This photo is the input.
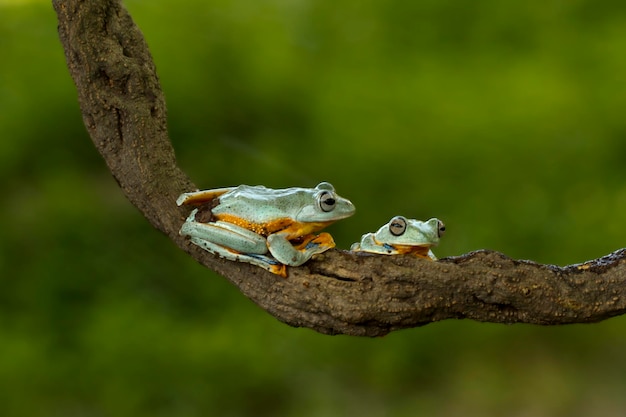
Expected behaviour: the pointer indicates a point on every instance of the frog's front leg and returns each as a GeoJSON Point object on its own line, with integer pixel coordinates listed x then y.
{"type": "Point", "coordinates": [283, 250]}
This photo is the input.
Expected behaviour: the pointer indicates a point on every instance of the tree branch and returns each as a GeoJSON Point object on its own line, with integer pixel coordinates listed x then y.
{"type": "Point", "coordinates": [124, 111]}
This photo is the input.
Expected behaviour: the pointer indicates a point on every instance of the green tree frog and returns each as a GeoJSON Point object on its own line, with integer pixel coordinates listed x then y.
{"type": "Point", "coordinates": [402, 235]}
{"type": "Point", "coordinates": [270, 228]}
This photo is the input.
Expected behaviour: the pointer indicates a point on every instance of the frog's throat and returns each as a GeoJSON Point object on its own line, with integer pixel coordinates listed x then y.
{"type": "Point", "coordinates": [285, 225]}
{"type": "Point", "coordinates": [420, 251]}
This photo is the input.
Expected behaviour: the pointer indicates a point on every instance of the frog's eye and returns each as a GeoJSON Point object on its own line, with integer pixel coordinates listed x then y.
{"type": "Point", "coordinates": [441, 228]}
{"type": "Point", "coordinates": [397, 226]}
{"type": "Point", "coordinates": [326, 201]}
{"type": "Point", "coordinates": [325, 186]}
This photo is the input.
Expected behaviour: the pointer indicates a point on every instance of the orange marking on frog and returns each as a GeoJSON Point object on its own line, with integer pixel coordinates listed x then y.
{"type": "Point", "coordinates": [293, 229]}
{"type": "Point", "coordinates": [323, 239]}
{"type": "Point", "coordinates": [279, 270]}
{"type": "Point", "coordinates": [417, 251]}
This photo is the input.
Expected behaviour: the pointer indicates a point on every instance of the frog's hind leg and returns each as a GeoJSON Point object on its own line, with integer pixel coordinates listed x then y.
{"type": "Point", "coordinates": [225, 235]}
{"type": "Point", "coordinates": [232, 242]}
{"type": "Point", "coordinates": [195, 198]}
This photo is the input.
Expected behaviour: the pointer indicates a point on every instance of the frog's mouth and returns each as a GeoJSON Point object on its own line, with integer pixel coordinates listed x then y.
{"type": "Point", "coordinates": [420, 251]}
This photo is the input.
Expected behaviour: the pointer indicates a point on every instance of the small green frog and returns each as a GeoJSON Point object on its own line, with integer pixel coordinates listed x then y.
{"type": "Point", "coordinates": [402, 235]}
{"type": "Point", "coordinates": [263, 226]}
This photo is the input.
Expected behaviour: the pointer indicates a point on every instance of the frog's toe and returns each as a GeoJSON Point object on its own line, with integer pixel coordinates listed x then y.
{"type": "Point", "coordinates": [278, 269]}
{"type": "Point", "coordinates": [314, 247]}
{"type": "Point", "coordinates": [266, 262]}
{"type": "Point", "coordinates": [319, 244]}
{"type": "Point", "coordinates": [324, 239]}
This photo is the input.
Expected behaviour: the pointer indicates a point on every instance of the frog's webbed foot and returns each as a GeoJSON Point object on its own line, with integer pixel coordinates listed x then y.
{"type": "Point", "coordinates": [318, 243]}
{"type": "Point", "coordinates": [266, 262]}
{"type": "Point", "coordinates": [285, 252]}
{"type": "Point", "coordinates": [355, 247]}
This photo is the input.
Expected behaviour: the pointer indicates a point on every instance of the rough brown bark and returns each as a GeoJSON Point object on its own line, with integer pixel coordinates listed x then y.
{"type": "Point", "coordinates": [339, 292]}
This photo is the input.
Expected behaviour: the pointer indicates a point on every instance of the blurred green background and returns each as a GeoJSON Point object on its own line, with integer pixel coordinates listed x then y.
{"type": "Point", "coordinates": [504, 119]}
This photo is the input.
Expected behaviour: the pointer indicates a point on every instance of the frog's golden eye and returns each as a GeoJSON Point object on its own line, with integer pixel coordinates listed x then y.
{"type": "Point", "coordinates": [397, 226]}
{"type": "Point", "coordinates": [326, 201]}
{"type": "Point", "coordinates": [441, 228]}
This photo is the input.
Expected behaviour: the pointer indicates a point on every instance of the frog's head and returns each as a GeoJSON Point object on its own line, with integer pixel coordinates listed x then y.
{"type": "Point", "coordinates": [410, 232]}
{"type": "Point", "coordinates": [322, 204]}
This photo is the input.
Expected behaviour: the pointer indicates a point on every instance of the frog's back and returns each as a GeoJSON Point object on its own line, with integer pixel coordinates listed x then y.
{"type": "Point", "coordinates": [262, 204]}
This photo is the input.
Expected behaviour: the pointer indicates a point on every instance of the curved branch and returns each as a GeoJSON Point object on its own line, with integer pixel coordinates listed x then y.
{"type": "Point", "coordinates": [338, 292]}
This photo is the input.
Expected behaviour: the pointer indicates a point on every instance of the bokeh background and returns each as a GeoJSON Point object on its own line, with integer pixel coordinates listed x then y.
{"type": "Point", "coordinates": [504, 119]}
